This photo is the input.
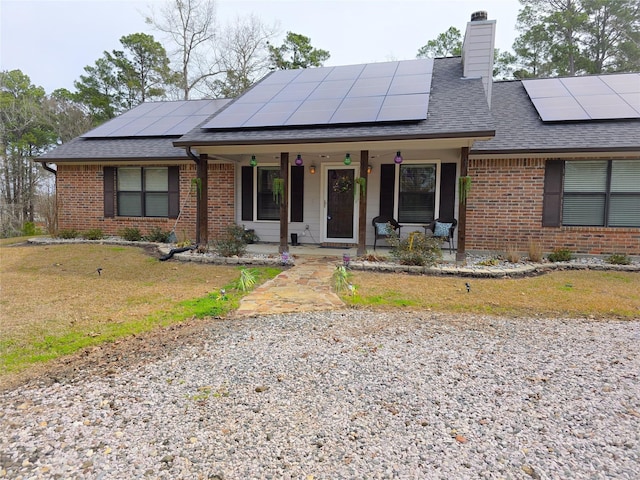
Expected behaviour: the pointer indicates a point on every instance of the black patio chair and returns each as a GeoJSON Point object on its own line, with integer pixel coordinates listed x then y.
{"type": "Point", "coordinates": [383, 227]}
{"type": "Point", "coordinates": [444, 229]}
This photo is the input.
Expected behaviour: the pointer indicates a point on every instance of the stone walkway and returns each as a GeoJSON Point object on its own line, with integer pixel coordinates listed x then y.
{"type": "Point", "coordinates": [303, 288]}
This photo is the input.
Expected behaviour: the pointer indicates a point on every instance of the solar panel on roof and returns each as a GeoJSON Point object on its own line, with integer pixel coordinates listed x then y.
{"type": "Point", "coordinates": [377, 92]}
{"type": "Point", "coordinates": [154, 119]}
{"type": "Point", "coordinates": [597, 97]}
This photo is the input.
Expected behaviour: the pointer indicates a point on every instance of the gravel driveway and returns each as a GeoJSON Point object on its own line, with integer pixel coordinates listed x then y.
{"type": "Point", "coordinates": [345, 394]}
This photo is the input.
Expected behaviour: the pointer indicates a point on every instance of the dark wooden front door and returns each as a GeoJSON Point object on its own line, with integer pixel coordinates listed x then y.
{"type": "Point", "coordinates": [340, 203]}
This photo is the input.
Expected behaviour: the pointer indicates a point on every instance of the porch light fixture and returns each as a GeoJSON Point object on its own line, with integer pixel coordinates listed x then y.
{"type": "Point", "coordinates": [298, 161]}
{"type": "Point", "coordinates": [347, 159]}
{"type": "Point", "coordinates": [398, 158]}
{"type": "Point", "coordinates": [369, 169]}
{"type": "Point", "coordinates": [312, 169]}
{"type": "Point", "coordinates": [253, 161]}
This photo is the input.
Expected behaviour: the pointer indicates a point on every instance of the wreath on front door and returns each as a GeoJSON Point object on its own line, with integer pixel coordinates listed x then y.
{"type": "Point", "coordinates": [343, 184]}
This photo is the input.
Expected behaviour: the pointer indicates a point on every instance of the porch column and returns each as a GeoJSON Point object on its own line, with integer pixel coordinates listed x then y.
{"type": "Point", "coordinates": [362, 219]}
{"type": "Point", "coordinates": [462, 208]}
{"type": "Point", "coordinates": [284, 203]}
{"type": "Point", "coordinates": [202, 196]}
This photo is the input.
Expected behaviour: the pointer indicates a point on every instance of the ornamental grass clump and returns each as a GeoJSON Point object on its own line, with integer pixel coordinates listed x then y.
{"type": "Point", "coordinates": [618, 259]}
{"type": "Point", "coordinates": [415, 249]}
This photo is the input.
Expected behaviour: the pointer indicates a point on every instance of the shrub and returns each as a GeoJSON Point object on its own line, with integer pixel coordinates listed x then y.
{"type": "Point", "coordinates": [157, 235]}
{"type": "Point", "coordinates": [231, 243]}
{"type": "Point", "coordinates": [250, 236]}
{"type": "Point", "coordinates": [560, 255]}
{"type": "Point", "coordinates": [618, 259]}
{"type": "Point", "coordinates": [489, 262]}
{"type": "Point", "coordinates": [93, 234]}
{"type": "Point", "coordinates": [131, 234]}
{"type": "Point", "coordinates": [512, 255]}
{"type": "Point", "coordinates": [416, 249]}
{"type": "Point", "coordinates": [30, 228]}
{"type": "Point", "coordinates": [67, 233]}
{"type": "Point", "coordinates": [535, 252]}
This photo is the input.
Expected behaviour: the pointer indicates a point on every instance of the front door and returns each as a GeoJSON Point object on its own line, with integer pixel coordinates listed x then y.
{"type": "Point", "coordinates": [340, 204]}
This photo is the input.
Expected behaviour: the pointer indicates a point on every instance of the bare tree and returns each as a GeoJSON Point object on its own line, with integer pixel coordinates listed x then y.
{"type": "Point", "coordinates": [243, 55]}
{"type": "Point", "coordinates": [190, 26]}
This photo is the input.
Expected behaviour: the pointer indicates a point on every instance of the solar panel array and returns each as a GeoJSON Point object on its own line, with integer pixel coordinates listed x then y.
{"type": "Point", "coordinates": [157, 119]}
{"type": "Point", "coordinates": [597, 97]}
{"type": "Point", "coordinates": [375, 92]}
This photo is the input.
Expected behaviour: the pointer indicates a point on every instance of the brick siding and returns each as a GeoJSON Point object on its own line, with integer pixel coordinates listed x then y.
{"type": "Point", "coordinates": [80, 192]}
{"type": "Point", "coordinates": [504, 210]}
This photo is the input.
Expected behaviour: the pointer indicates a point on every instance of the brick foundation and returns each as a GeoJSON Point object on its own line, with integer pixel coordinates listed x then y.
{"type": "Point", "coordinates": [504, 210]}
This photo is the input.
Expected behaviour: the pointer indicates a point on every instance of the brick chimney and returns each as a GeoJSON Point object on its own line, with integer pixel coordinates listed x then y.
{"type": "Point", "coordinates": [478, 50]}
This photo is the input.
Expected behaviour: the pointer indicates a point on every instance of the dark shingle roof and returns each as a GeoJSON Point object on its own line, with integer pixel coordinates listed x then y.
{"type": "Point", "coordinates": [457, 108]}
{"type": "Point", "coordinates": [519, 128]}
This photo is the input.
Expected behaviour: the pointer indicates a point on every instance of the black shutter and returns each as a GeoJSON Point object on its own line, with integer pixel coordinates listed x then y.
{"type": "Point", "coordinates": [247, 193]}
{"type": "Point", "coordinates": [387, 186]}
{"type": "Point", "coordinates": [447, 190]}
{"type": "Point", "coordinates": [552, 198]}
{"type": "Point", "coordinates": [297, 194]}
{"type": "Point", "coordinates": [174, 192]}
{"type": "Point", "coordinates": [109, 181]}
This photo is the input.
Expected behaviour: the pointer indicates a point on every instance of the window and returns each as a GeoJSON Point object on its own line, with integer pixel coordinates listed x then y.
{"type": "Point", "coordinates": [268, 202]}
{"type": "Point", "coordinates": [416, 193]}
{"type": "Point", "coordinates": [143, 192]}
{"type": "Point", "coordinates": [601, 193]}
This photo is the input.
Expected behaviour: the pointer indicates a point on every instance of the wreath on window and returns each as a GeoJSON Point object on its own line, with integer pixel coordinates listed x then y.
{"type": "Point", "coordinates": [343, 184]}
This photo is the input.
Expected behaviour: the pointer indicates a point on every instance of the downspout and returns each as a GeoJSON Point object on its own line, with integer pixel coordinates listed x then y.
{"type": "Point", "coordinates": [46, 166]}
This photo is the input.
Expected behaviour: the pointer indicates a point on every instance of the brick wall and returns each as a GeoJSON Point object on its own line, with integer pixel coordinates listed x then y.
{"type": "Point", "coordinates": [80, 191]}
{"type": "Point", "coordinates": [504, 209]}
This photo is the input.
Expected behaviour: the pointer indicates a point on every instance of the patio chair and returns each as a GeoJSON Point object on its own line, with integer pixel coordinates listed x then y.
{"type": "Point", "coordinates": [383, 226]}
{"type": "Point", "coordinates": [444, 229]}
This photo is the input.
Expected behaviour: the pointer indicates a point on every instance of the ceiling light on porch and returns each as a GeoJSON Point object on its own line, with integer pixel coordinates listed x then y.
{"type": "Point", "coordinates": [347, 159]}
{"type": "Point", "coordinates": [398, 158]}
{"type": "Point", "coordinates": [299, 160]}
{"type": "Point", "coordinates": [253, 161]}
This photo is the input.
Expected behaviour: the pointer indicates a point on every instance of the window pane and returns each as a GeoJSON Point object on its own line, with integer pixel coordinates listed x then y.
{"type": "Point", "coordinates": [129, 204]}
{"type": "Point", "coordinates": [268, 207]}
{"type": "Point", "coordinates": [625, 176]}
{"type": "Point", "coordinates": [156, 179]}
{"type": "Point", "coordinates": [129, 179]}
{"type": "Point", "coordinates": [416, 199]}
{"type": "Point", "coordinates": [585, 176]}
{"type": "Point", "coordinates": [583, 210]}
{"type": "Point", "coordinates": [624, 211]}
{"type": "Point", "coordinates": [156, 205]}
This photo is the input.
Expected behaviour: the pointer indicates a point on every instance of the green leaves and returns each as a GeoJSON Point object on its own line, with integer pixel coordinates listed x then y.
{"type": "Point", "coordinates": [296, 52]}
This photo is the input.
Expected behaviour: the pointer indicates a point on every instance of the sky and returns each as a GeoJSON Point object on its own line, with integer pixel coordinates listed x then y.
{"type": "Point", "coordinates": [51, 41]}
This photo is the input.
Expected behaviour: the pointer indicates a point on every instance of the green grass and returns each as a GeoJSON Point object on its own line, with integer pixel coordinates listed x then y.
{"type": "Point", "coordinates": [16, 356]}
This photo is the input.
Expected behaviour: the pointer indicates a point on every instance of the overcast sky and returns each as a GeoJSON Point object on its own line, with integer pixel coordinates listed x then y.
{"type": "Point", "coordinates": [51, 41]}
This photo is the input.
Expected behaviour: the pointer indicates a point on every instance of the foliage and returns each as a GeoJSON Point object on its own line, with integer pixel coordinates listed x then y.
{"type": "Point", "coordinates": [489, 262]}
{"type": "Point", "coordinates": [156, 234]}
{"type": "Point", "coordinates": [535, 252]}
{"type": "Point", "coordinates": [68, 233]}
{"type": "Point", "coordinates": [415, 249]}
{"type": "Point", "coordinates": [446, 44]}
{"type": "Point", "coordinates": [247, 280]}
{"type": "Point", "coordinates": [250, 236]}
{"type": "Point", "coordinates": [572, 37]}
{"type": "Point", "coordinates": [93, 234]}
{"type": "Point", "coordinates": [25, 133]}
{"type": "Point", "coordinates": [278, 189]}
{"type": "Point", "coordinates": [618, 259]}
{"type": "Point", "coordinates": [122, 79]}
{"type": "Point", "coordinates": [296, 52]}
{"type": "Point", "coordinates": [464, 187]}
{"type": "Point", "coordinates": [512, 255]}
{"type": "Point", "coordinates": [30, 228]}
{"type": "Point", "coordinates": [131, 234]}
{"type": "Point", "coordinates": [560, 255]}
{"type": "Point", "coordinates": [231, 243]}
{"type": "Point", "coordinates": [341, 279]}
{"type": "Point", "coordinates": [362, 186]}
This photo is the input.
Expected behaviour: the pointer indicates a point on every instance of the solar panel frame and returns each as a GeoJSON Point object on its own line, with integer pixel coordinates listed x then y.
{"type": "Point", "coordinates": [339, 88]}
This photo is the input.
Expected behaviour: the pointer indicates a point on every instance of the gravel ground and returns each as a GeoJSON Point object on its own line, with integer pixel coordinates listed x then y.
{"type": "Point", "coordinates": [350, 394]}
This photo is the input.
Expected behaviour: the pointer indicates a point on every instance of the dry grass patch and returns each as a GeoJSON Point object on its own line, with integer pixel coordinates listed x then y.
{"type": "Point", "coordinates": [568, 293]}
{"type": "Point", "coordinates": [53, 301]}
